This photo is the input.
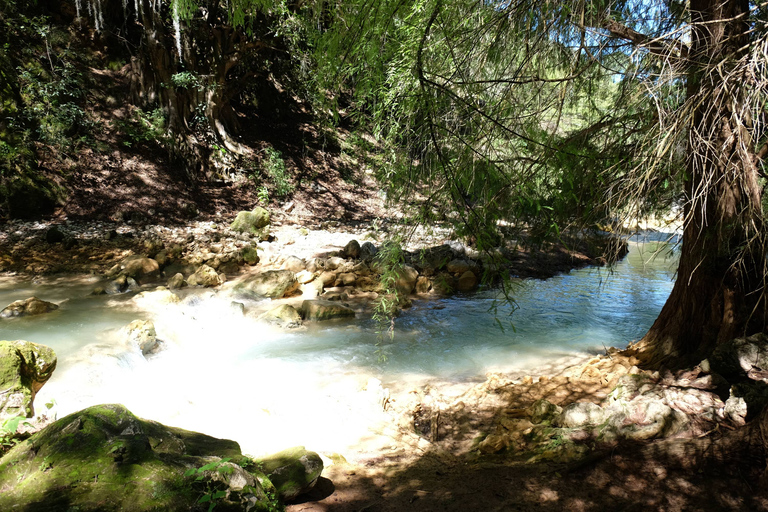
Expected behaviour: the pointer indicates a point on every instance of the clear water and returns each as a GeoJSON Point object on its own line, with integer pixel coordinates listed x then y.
{"type": "Point", "coordinates": [231, 376]}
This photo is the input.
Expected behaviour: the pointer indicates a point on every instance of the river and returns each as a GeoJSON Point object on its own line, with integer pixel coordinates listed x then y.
{"type": "Point", "coordinates": [229, 375]}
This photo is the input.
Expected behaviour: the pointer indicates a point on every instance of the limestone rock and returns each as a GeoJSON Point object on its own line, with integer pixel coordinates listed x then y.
{"type": "Point", "coordinates": [328, 278]}
{"type": "Point", "coordinates": [205, 276]}
{"type": "Point", "coordinates": [24, 368]}
{"type": "Point", "coordinates": [457, 267]}
{"type": "Point", "coordinates": [352, 249]}
{"type": "Point", "coordinates": [177, 281]}
{"type": "Point", "coordinates": [742, 356]}
{"type": "Point", "coordinates": [142, 335]}
{"type": "Point", "coordinates": [293, 471]}
{"type": "Point", "coordinates": [467, 282]}
{"type": "Point", "coordinates": [140, 268]}
{"type": "Point", "coordinates": [580, 414]}
{"type": "Point", "coordinates": [423, 285]}
{"type": "Point", "coordinates": [157, 298]}
{"type": "Point", "coordinates": [444, 284]}
{"type": "Point", "coordinates": [433, 259]}
{"type": "Point", "coordinates": [106, 459]}
{"type": "Point", "coordinates": [304, 277]}
{"type": "Point", "coordinates": [406, 280]}
{"type": "Point", "coordinates": [27, 307]}
{"type": "Point", "coordinates": [334, 262]}
{"type": "Point", "coordinates": [250, 255]}
{"type": "Point", "coordinates": [284, 315]}
{"type": "Point", "coordinates": [368, 251]}
{"type": "Point", "coordinates": [543, 410]}
{"type": "Point", "coordinates": [294, 264]}
{"type": "Point", "coordinates": [273, 284]}
{"type": "Point", "coordinates": [255, 222]}
{"type": "Point", "coordinates": [324, 310]}
{"type": "Point", "coordinates": [346, 279]}
{"type": "Point", "coordinates": [312, 289]}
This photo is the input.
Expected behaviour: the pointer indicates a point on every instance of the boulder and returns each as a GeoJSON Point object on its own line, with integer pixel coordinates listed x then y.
{"type": "Point", "coordinates": [106, 459]}
{"type": "Point", "coordinates": [293, 471]}
{"type": "Point", "coordinates": [250, 255]}
{"type": "Point", "coordinates": [444, 284]}
{"type": "Point", "coordinates": [272, 284]}
{"type": "Point", "coordinates": [368, 251]}
{"type": "Point", "coordinates": [284, 315]}
{"type": "Point", "coordinates": [293, 263]}
{"type": "Point", "coordinates": [328, 278]}
{"type": "Point", "coordinates": [457, 267]}
{"type": "Point", "coordinates": [206, 276]}
{"type": "Point", "coordinates": [304, 277]}
{"type": "Point", "coordinates": [27, 307]}
{"type": "Point", "coordinates": [54, 235]}
{"type": "Point", "coordinates": [176, 281]}
{"type": "Point", "coordinates": [433, 259]}
{"type": "Point", "coordinates": [467, 282]}
{"type": "Point", "coordinates": [423, 285]}
{"type": "Point", "coordinates": [24, 368]}
{"type": "Point", "coordinates": [580, 414]}
{"type": "Point", "coordinates": [742, 357]}
{"type": "Point", "coordinates": [157, 298]}
{"type": "Point", "coordinates": [352, 249]}
{"type": "Point", "coordinates": [346, 279]}
{"type": "Point", "coordinates": [334, 262]}
{"type": "Point", "coordinates": [140, 268]}
{"type": "Point", "coordinates": [311, 289]}
{"type": "Point", "coordinates": [324, 310]}
{"type": "Point", "coordinates": [141, 334]}
{"type": "Point", "coordinates": [255, 222]}
{"type": "Point", "coordinates": [406, 280]}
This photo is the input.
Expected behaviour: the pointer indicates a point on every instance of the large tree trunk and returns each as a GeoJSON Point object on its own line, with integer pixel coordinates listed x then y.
{"type": "Point", "coordinates": [199, 114]}
{"type": "Point", "coordinates": [719, 292]}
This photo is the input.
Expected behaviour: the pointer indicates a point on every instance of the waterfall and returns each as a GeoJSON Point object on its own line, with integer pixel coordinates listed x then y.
{"type": "Point", "coordinates": [136, 4]}
{"type": "Point", "coordinates": [125, 9]}
{"type": "Point", "coordinates": [77, 6]}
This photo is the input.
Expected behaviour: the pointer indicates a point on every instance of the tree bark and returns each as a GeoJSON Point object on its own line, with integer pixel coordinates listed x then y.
{"type": "Point", "coordinates": [719, 292]}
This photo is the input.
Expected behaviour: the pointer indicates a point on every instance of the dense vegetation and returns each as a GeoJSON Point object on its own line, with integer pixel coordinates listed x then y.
{"type": "Point", "coordinates": [495, 116]}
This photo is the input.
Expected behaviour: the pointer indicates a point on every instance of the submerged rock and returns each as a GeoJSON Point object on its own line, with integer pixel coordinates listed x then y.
{"type": "Point", "coordinates": [28, 307]}
{"type": "Point", "coordinates": [320, 310]}
{"type": "Point", "coordinates": [284, 315]}
{"type": "Point", "coordinates": [24, 368]}
{"type": "Point", "coordinates": [141, 334]}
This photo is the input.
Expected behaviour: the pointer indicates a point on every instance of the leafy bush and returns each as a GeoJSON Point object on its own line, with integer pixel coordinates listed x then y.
{"type": "Point", "coordinates": [274, 165]}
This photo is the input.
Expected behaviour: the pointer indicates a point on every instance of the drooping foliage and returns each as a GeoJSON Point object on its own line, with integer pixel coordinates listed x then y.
{"type": "Point", "coordinates": [554, 114]}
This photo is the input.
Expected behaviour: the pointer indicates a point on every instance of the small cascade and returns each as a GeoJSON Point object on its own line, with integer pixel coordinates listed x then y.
{"type": "Point", "coordinates": [125, 9]}
{"type": "Point", "coordinates": [77, 8]}
{"type": "Point", "coordinates": [136, 5]}
{"type": "Point", "coordinates": [100, 24]}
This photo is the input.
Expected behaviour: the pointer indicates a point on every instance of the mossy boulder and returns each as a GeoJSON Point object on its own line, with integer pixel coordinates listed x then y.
{"type": "Point", "coordinates": [272, 284]}
{"type": "Point", "coordinates": [24, 368]}
{"type": "Point", "coordinates": [28, 307]}
{"type": "Point", "coordinates": [255, 222]}
{"type": "Point", "coordinates": [106, 459]}
{"type": "Point", "coordinates": [293, 471]}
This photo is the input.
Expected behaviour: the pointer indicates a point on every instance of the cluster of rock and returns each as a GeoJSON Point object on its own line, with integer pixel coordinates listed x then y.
{"type": "Point", "coordinates": [728, 389]}
{"type": "Point", "coordinates": [323, 282]}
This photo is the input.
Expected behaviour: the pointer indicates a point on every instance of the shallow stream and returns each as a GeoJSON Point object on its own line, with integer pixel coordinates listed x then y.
{"type": "Point", "coordinates": [228, 375]}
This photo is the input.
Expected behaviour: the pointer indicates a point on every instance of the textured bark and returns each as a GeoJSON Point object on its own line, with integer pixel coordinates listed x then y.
{"type": "Point", "coordinates": [720, 290]}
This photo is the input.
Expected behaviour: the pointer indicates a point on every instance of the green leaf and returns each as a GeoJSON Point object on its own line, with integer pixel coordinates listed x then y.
{"type": "Point", "coordinates": [205, 498]}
